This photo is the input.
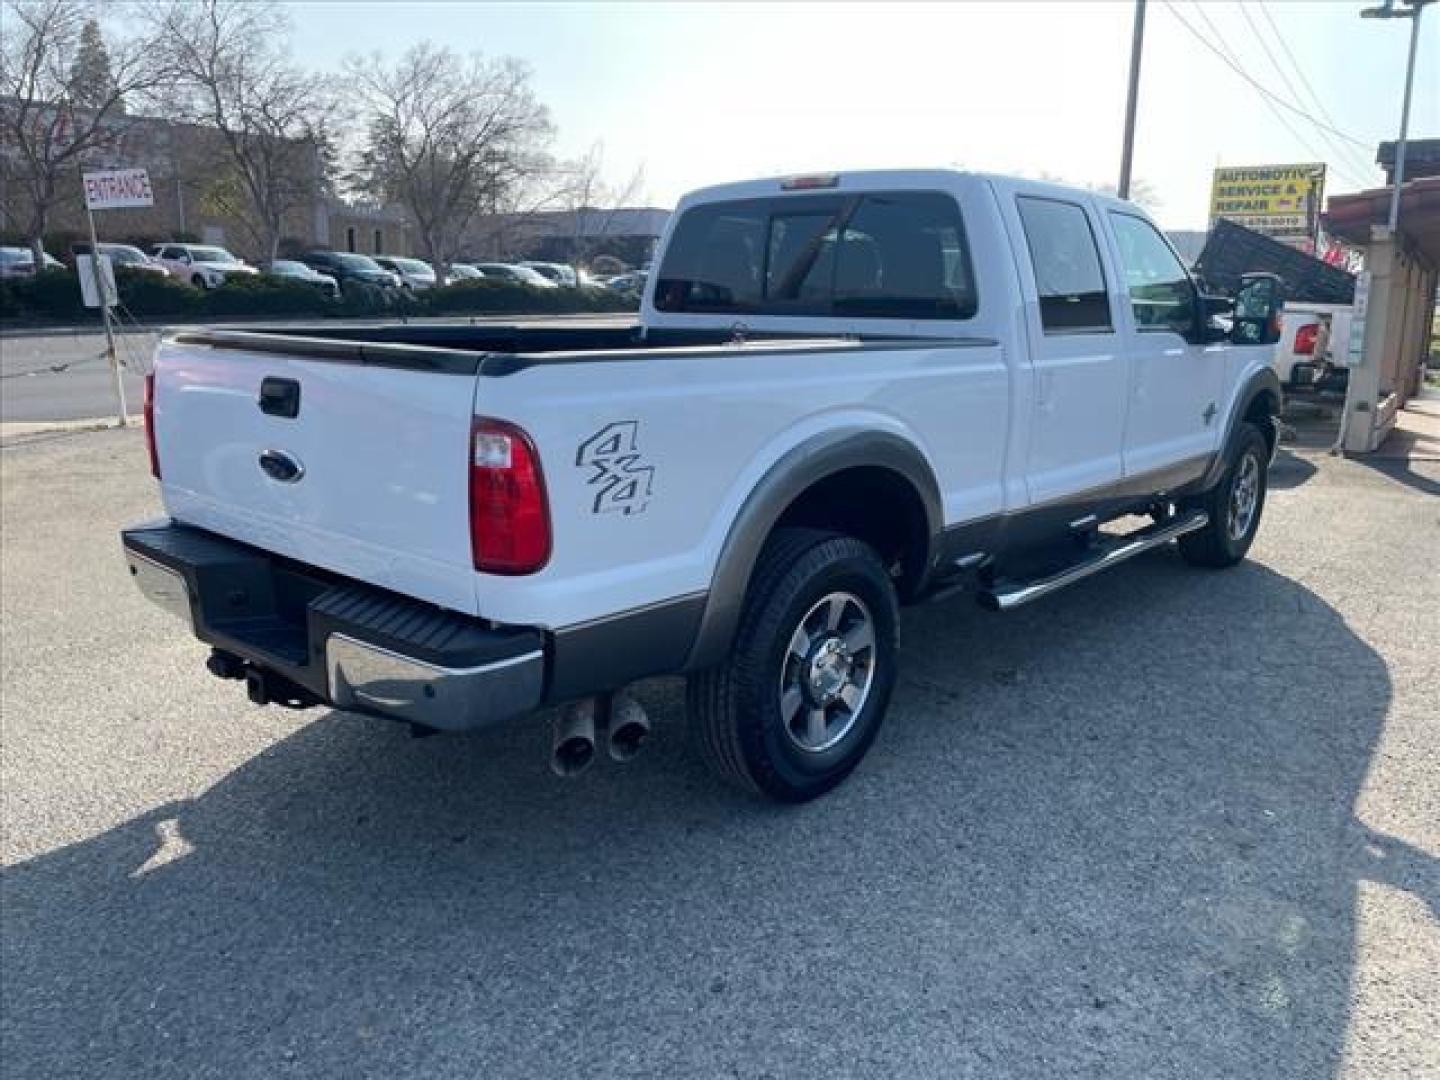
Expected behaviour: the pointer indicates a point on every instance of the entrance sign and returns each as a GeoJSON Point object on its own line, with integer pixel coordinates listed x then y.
{"type": "Point", "coordinates": [117, 189]}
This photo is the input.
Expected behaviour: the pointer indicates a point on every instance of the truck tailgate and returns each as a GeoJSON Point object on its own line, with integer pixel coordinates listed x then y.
{"type": "Point", "coordinates": [367, 478]}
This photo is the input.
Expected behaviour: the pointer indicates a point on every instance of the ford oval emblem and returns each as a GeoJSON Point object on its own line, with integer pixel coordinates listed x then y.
{"type": "Point", "coordinates": [281, 466]}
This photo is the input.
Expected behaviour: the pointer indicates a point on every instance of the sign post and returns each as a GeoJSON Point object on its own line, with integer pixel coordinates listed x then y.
{"type": "Point", "coordinates": [113, 189]}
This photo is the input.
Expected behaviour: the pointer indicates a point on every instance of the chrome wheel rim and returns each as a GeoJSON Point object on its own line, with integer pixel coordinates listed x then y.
{"type": "Point", "coordinates": [828, 671]}
{"type": "Point", "coordinates": [1244, 497]}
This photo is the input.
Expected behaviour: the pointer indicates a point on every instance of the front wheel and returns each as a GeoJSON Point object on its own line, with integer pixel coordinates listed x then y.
{"type": "Point", "coordinates": [1234, 505]}
{"type": "Point", "coordinates": [800, 699]}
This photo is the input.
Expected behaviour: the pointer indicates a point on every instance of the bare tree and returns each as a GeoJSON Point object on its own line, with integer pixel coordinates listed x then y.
{"type": "Point", "coordinates": [230, 70]}
{"type": "Point", "coordinates": [594, 204]}
{"type": "Point", "coordinates": [448, 138]}
{"type": "Point", "coordinates": [50, 134]}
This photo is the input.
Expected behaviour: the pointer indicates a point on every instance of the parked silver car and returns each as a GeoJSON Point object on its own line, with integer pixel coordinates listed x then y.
{"type": "Point", "coordinates": [19, 262]}
{"type": "Point", "coordinates": [414, 274]}
{"type": "Point", "coordinates": [516, 275]}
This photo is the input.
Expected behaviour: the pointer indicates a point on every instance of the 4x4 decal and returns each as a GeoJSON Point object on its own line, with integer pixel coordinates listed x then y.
{"type": "Point", "coordinates": [621, 479]}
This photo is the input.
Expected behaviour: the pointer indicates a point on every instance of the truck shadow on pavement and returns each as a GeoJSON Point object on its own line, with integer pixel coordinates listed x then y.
{"type": "Point", "coordinates": [1112, 835]}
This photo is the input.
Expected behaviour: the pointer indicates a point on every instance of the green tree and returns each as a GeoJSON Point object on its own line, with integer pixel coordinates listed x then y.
{"type": "Point", "coordinates": [92, 82]}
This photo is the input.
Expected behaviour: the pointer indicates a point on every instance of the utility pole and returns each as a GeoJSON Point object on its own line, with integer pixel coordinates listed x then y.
{"type": "Point", "coordinates": [1412, 11]}
{"type": "Point", "coordinates": [1127, 152]}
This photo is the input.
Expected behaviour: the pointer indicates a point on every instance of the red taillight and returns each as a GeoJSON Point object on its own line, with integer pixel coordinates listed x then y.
{"type": "Point", "coordinates": [150, 425]}
{"type": "Point", "coordinates": [1305, 339]}
{"type": "Point", "coordinates": [509, 515]}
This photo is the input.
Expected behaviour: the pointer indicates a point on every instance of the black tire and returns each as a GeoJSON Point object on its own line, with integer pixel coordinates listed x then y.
{"type": "Point", "coordinates": [199, 283]}
{"type": "Point", "coordinates": [735, 710]}
{"type": "Point", "coordinates": [1222, 542]}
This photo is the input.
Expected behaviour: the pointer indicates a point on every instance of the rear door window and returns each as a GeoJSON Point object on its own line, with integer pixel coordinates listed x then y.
{"type": "Point", "coordinates": [1069, 278]}
{"type": "Point", "coordinates": [878, 255]}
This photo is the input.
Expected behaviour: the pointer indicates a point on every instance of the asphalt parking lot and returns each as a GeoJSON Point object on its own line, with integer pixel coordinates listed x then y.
{"type": "Point", "coordinates": [1167, 823]}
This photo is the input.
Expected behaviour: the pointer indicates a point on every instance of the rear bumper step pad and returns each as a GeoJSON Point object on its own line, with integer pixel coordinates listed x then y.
{"type": "Point", "coordinates": [349, 644]}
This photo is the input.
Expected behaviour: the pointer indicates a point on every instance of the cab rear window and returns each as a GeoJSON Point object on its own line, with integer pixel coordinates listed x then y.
{"type": "Point", "coordinates": [883, 255]}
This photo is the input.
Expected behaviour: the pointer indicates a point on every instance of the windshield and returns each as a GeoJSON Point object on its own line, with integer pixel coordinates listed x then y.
{"type": "Point", "coordinates": [461, 270]}
{"type": "Point", "coordinates": [531, 277]}
{"type": "Point", "coordinates": [879, 255]}
{"type": "Point", "coordinates": [414, 266]}
{"type": "Point", "coordinates": [125, 256]}
{"type": "Point", "coordinates": [15, 255]}
{"type": "Point", "coordinates": [212, 254]}
{"type": "Point", "coordinates": [283, 266]}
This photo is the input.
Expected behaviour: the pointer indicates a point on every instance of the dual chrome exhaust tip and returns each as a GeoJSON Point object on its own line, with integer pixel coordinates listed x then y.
{"type": "Point", "coordinates": [618, 722]}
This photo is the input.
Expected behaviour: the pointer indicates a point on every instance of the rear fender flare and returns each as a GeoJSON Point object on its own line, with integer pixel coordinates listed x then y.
{"type": "Point", "coordinates": [798, 469]}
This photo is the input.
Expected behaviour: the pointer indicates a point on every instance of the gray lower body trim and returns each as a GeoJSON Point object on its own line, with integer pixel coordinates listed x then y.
{"type": "Point", "coordinates": [609, 653]}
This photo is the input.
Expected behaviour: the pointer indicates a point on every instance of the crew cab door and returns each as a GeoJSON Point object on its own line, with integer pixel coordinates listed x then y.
{"type": "Point", "coordinates": [1078, 363]}
{"type": "Point", "coordinates": [1175, 380]}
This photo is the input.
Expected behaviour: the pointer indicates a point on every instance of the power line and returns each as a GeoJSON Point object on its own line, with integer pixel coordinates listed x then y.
{"type": "Point", "coordinates": [1354, 157]}
{"type": "Point", "coordinates": [1304, 142]}
{"type": "Point", "coordinates": [1339, 148]}
{"type": "Point", "coordinates": [1260, 87]}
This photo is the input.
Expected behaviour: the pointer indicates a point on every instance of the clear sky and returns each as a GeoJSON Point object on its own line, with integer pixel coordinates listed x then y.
{"type": "Point", "coordinates": [700, 93]}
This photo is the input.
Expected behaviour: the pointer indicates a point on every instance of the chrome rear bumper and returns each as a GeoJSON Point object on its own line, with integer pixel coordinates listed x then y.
{"type": "Point", "coordinates": [369, 678]}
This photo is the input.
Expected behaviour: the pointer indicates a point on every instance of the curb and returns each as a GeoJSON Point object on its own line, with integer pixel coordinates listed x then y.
{"type": "Point", "coordinates": [20, 432]}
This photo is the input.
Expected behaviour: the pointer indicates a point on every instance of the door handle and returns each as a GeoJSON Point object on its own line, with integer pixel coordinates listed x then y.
{"type": "Point", "coordinates": [280, 397]}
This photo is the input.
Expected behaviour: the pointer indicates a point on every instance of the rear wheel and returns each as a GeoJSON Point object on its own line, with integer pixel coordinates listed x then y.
{"type": "Point", "coordinates": [199, 283]}
{"type": "Point", "coordinates": [800, 699]}
{"type": "Point", "coordinates": [1234, 505]}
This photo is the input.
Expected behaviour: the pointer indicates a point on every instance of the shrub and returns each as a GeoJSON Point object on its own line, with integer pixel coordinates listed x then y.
{"type": "Point", "coordinates": [144, 295]}
{"type": "Point", "coordinates": [54, 296]}
{"type": "Point", "coordinates": [263, 295]}
{"type": "Point", "coordinates": [484, 297]}
{"type": "Point", "coordinates": [51, 294]}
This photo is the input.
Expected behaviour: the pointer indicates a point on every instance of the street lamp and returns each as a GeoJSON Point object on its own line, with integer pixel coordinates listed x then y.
{"type": "Point", "coordinates": [1411, 11]}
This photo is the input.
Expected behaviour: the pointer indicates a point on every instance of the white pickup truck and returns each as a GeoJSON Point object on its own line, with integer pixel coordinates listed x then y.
{"type": "Point", "coordinates": [845, 393]}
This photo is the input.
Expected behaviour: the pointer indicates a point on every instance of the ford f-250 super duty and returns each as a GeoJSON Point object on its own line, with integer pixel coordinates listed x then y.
{"type": "Point", "coordinates": [845, 393]}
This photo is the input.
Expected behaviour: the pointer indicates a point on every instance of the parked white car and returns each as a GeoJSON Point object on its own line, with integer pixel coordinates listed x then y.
{"type": "Point", "coordinates": [203, 265]}
{"type": "Point", "coordinates": [844, 393]}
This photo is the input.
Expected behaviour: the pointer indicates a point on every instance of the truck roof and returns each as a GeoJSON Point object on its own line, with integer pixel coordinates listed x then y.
{"type": "Point", "coordinates": [875, 180]}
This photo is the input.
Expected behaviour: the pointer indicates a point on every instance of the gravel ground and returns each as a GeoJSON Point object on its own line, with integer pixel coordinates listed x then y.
{"type": "Point", "coordinates": [1165, 824]}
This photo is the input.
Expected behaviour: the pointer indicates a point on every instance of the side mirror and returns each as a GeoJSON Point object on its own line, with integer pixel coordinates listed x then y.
{"type": "Point", "coordinates": [1214, 319]}
{"type": "Point", "coordinates": [1257, 310]}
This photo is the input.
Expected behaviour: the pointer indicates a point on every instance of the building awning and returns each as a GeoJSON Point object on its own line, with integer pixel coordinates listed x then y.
{"type": "Point", "coordinates": [1350, 217]}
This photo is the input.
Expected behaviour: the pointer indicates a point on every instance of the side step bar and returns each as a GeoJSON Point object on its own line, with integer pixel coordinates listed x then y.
{"type": "Point", "coordinates": [1004, 595]}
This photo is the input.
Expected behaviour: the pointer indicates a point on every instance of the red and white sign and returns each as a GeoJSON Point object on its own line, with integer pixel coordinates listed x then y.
{"type": "Point", "coordinates": [117, 189]}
